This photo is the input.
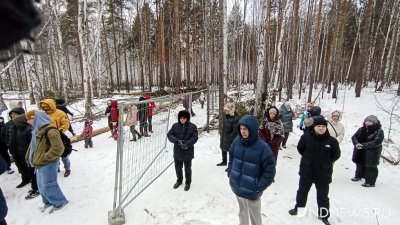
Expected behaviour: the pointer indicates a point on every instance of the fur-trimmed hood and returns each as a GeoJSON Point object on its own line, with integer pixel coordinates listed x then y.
{"type": "Point", "coordinates": [230, 108]}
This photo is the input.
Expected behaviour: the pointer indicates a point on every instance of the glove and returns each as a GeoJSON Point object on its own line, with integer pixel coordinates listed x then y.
{"type": "Point", "coordinates": [301, 128]}
{"type": "Point", "coordinates": [359, 146]}
{"type": "Point", "coordinates": [184, 146]}
{"type": "Point", "coordinates": [180, 142]}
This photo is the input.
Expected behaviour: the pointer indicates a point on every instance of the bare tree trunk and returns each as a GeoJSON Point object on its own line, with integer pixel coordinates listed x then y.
{"type": "Point", "coordinates": [315, 51]}
{"type": "Point", "coordinates": [177, 52]}
{"type": "Point", "coordinates": [82, 31]}
{"type": "Point", "coordinates": [260, 60]}
{"type": "Point", "coordinates": [364, 39]}
{"type": "Point", "coordinates": [108, 57]}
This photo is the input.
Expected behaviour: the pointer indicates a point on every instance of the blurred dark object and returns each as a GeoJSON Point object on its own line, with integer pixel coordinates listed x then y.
{"type": "Point", "coordinates": [17, 19]}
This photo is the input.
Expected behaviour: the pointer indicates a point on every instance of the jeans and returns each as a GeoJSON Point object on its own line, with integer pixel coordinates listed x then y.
{"type": "Point", "coordinates": [66, 162]}
{"type": "Point", "coordinates": [250, 208]}
{"type": "Point", "coordinates": [48, 187]}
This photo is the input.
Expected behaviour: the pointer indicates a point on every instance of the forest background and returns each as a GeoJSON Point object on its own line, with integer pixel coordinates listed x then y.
{"type": "Point", "coordinates": [91, 48]}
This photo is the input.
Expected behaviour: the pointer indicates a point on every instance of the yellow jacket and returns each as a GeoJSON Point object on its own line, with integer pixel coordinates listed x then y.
{"type": "Point", "coordinates": [58, 118]}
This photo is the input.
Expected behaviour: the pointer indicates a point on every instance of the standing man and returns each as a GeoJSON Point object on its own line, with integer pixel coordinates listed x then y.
{"type": "Point", "coordinates": [60, 104]}
{"type": "Point", "coordinates": [183, 135]}
{"type": "Point", "coordinates": [251, 170]}
{"type": "Point", "coordinates": [44, 153]}
{"type": "Point", "coordinates": [318, 152]}
{"type": "Point", "coordinates": [60, 121]}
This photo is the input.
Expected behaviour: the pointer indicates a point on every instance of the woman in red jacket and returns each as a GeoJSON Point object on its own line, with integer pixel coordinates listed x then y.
{"type": "Point", "coordinates": [114, 118]}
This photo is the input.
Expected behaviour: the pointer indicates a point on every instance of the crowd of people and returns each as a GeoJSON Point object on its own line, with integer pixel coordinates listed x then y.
{"type": "Point", "coordinates": [249, 149]}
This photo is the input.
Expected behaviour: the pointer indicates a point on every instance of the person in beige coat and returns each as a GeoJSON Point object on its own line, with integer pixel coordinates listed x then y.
{"type": "Point", "coordinates": [131, 121]}
{"type": "Point", "coordinates": [335, 127]}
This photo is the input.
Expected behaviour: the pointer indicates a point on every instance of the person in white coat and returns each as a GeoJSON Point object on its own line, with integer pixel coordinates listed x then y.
{"type": "Point", "coordinates": [132, 120]}
{"type": "Point", "coordinates": [335, 127]}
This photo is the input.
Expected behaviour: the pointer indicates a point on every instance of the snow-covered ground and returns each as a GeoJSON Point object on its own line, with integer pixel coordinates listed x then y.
{"type": "Point", "coordinates": [210, 199]}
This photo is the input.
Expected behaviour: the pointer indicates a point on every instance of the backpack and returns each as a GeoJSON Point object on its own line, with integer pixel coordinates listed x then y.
{"type": "Point", "coordinates": [65, 140]}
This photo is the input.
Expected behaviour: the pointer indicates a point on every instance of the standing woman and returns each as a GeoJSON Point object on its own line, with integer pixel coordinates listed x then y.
{"type": "Point", "coordinates": [229, 131]}
{"type": "Point", "coordinates": [335, 127]}
{"type": "Point", "coordinates": [367, 143]}
{"type": "Point", "coordinates": [286, 115]}
{"type": "Point", "coordinates": [271, 131]}
{"type": "Point", "coordinates": [45, 157]}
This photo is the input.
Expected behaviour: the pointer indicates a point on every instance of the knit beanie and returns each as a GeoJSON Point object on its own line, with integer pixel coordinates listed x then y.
{"type": "Point", "coordinates": [319, 120]}
{"type": "Point", "coordinates": [30, 114]}
{"type": "Point", "coordinates": [372, 119]}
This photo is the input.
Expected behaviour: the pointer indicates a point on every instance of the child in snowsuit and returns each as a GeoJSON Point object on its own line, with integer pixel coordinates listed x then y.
{"type": "Point", "coordinates": [87, 133]}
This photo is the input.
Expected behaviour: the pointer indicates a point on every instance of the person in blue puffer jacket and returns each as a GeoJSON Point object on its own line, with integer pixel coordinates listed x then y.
{"type": "Point", "coordinates": [251, 169]}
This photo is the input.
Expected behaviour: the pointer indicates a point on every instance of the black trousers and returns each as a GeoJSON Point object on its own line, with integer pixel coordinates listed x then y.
{"type": "Point", "coordinates": [179, 172]}
{"type": "Point", "coordinates": [369, 173]}
{"type": "Point", "coordinates": [5, 155]}
{"type": "Point", "coordinates": [23, 167]}
{"type": "Point", "coordinates": [322, 196]}
{"type": "Point", "coordinates": [149, 119]}
{"type": "Point", "coordinates": [285, 139]}
{"type": "Point", "coordinates": [34, 185]}
{"type": "Point", "coordinates": [224, 156]}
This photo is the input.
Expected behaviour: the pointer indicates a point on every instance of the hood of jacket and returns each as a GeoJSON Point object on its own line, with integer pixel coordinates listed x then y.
{"type": "Point", "coordinates": [20, 121]}
{"type": "Point", "coordinates": [51, 103]}
{"type": "Point", "coordinates": [114, 103]}
{"type": "Point", "coordinates": [251, 123]}
{"type": "Point", "coordinates": [184, 113]}
{"type": "Point", "coordinates": [17, 110]}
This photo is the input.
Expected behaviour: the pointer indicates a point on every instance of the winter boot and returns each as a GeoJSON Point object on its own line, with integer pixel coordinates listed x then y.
{"type": "Point", "coordinates": [177, 184]}
{"type": "Point", "coordinates": [23, 183]}
{"type": "Point", "coordinates": [324, 220]}
{"type": "Point", "coordinates": [32, 194]}
{"type": "Point", "coordinates": [187, 187]}
{"type": "Point", "coordinates": [293, 211]}
{"type": "Point", "coordinates": [223, 163]}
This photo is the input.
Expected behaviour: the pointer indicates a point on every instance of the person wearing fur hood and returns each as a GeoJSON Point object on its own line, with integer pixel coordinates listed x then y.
{"type": "Point", "coordinates": [229, 131]}
{"type": "Point", "coordinates": [367, 143]}
{"type": "Point", "coordinates": [271, 130]}
{"type": "Point", "coordinates": [335, 127]}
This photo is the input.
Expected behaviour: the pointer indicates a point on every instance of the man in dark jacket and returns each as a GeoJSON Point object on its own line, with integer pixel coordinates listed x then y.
{"type": "Point", "coordinates": [251, 170]}
{"type": "Point", "coordinates": [18, 147]}
{"type": "Point", "coordinates": [60, 104]}
{"type": "Point", "coordinates": [7, 133]}
{"type": "Point", "coordinates": [318, 152]}
{"type": "Point", "coordinates": [183, 135]}
{"type": "Point", "coordinates": [367, 143]}
{"type": "Point", "coordinates": [229, 131]}
{"type": "Point", "coordinates": [3, 204]}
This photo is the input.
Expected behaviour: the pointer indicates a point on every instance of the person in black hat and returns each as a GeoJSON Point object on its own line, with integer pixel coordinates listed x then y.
{"type": "Point", "coordinates": [318, 152]}
{"type": "Point", "coordinates": [367, 143]}
{"type": "Point", "coordinates": [183, 135]}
